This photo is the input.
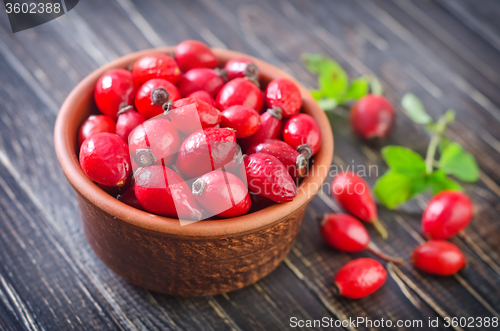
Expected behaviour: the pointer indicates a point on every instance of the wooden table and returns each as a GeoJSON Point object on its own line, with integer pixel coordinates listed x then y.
{"type": "Point", "coordinates": [445, 51]}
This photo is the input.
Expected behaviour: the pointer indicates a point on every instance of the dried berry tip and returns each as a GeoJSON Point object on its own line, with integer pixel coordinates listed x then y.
{"type": "Point", "coordinates": [275, 112]}
{"type": "Point", "coordinates": [144, 157]}
{"type": "Point", "coordinates": [305, 150]}
{"type": "Point", "coordinates": [198, 186]}
{"type": "Point", "coordinates": [159, 96]}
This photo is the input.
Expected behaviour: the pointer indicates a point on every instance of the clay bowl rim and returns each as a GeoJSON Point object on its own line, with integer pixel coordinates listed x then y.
{"type": "Point", "coordinates": [65, 134]}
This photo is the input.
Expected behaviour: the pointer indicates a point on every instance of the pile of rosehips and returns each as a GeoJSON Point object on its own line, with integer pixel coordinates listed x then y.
{"type": "Point", "coordinates": [447, 213]}
{"type": "Point", "coordinates": [173, 130]}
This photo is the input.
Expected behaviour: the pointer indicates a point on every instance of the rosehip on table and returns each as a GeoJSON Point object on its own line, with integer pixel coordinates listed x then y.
{"type": "Point", "coordinates": [130, 199]}
{"type": "Point", "coordinates": [157, 65]}
{"type": "Point", "coordinates": [162, 191]}
{"type": "Point", "coordinates": [189, 115]}
{"type": "Point", "coordinates": [240, 91]}
{"type": "Point", "coordinates": [283, 93]}
{"type": "Point", "coordinates": [127, 121]}
{"type": "Point", "coordinates": [203, 96]}
{"type": "Point", "coordinates": [114, 90]}
{"type": "Point", "coordinates": [270, 128]}
{"type": "Point", "coordinates": [354, 195]}
{"type": "Point", "coordinates": [360, 277]}
{"type": "Point", "coordinates": [242, 67]}
{"type": "Point", "coordinates": [295, 162]}
{"type": "Point", "coordinates": [347, 234]}
{"type": "Point", "coordinates": [302, 129]}
{"type": "Point", "coordinates": [245, 120]}
{"type": "Point", "coordinates": [105, 159]}
{"type": "Point", "coordinates": [202, 79]}
{"type": "Point", "coordinates": [438, 257]}
{"type": "Point", "coordinates": [268, 177]}
{"type": "Point", "coordinates": [95, 124]}
{"type": "Point", "coordinates": [446, 214]}
{"type": "Point", "coordinates": [191, 54]}
{"type": "Point", "coordinates": [156, 140]}
{"type": "Point", "coordinates": [206, 150]}
{"type": "Point", "coordinates": [372, 116]}
{"type": "Point", "coordinates": [152, 97]}
{"type": "Point", "coordinates": [222, 193]}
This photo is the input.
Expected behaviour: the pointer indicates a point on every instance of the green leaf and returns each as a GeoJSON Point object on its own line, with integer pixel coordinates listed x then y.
{"type": "Point", "coordinates": [443, 143]}
{"type": "Point", "coordinates": [332, 79]}
{"type": "Point", "coordinates": [357, 90]}
{"type": "Point", "coordinates": [395, 188]}
{"type": "Point", "coordinates": [313, 62]}
{"type": "Point", "coordinates": [439, 182]}
{"type": "Point", "coordinates": [457, 162]}
{"type": "Point", "coordinates": [449, 115]}
{"type": "Point", "coordinates": [317, 94]}
{"type": "Point", "coordinates": [403, 160]}
{"type": "Point", "coordinates": [415, 109]}
{"type": "Point", "coordinates": [327, 103]}
{"type": "Point", "coordinates": [375, 86]}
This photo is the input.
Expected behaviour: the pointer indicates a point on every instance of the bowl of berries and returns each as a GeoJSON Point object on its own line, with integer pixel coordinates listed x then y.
{"type": "Point", "coordinates": [193, 166]}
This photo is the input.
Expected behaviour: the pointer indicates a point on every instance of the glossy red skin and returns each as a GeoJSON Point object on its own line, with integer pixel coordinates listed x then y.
{"type": "Point", "coordinates": [130, 199]}
{"type": "Point", "coordinates": [285, 94]}
{"type": "Point", "coordinates": [354, 195]}
{"type": "Point", "coordinates": [127, 122]}
{"type": "Point", "coordinates": [345, 233]}
{"type": "Point", "coordinates": [245, 120]}
{"type": "Point", "coordinates": [162, 191]}
{"type": "Point", "coordinates": [155, 65]}
{"type": "Point", "coordinates": [268, 177]}
{"type": "Point", "coordinates": [360, 277]}
{"type": "Point", "coordinates": [114, 90]}
{"type": "Point", "coordinates": [372, 116]}
{"type": "Point", "coordinates": [143, 102]}
{"type": "Point", "coordinates": [270, 128]}
{"type": "Point", "coordinates": [240, 91]}
{"type": "Point", "coordinates": [279, 149]}
{"type": "Point", "coordinates": [191, 54]}
{"type": "Point", "coordinates": [190, 115]}
{"type": "Point", "coordinates": [438, 257]}
{"type": "Point", "coordinates": [201, 79]}
{"type": "Point", "coordinates": [206, 150]}
{"type": "Point", "coordinates": [105, 159]}
{"type": "Point", "coordinates": [302, 129]}
{"type": "Point", "coordinates": [159, 135]}
{"type": "Point", "coordinates": [224, 195]}
{"type": "Point", "coordinates": [446, 214]}
{"type": "Point", "coordinates": [203, 96]}
{"type": "Point", "coordinates": [95, 124]}
{"type": "Point", "coordinates": [236, 68]}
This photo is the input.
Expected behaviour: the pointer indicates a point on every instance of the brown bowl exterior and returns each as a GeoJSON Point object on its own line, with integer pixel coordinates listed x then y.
{"type": "Point", "coordinates": [157, 253]}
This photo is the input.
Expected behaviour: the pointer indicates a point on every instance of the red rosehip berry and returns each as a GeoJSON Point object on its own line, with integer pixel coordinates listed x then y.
{"type": "Point", "coordinates": [130, 199]}
{"type": "Point", "coordinates": [156, 140]}
{"type": "Point", "coordinates": [127, 121]}
{"type": "Point", "coordinates": [162, 191]}
{"type": "Point", "coordinates": [105, 158]}
{"type": "Point", "coordinates": [202, 79]}
{"type": "Point", "coordinates": [372, 116]}
{"type": "Point", "coordinates": [203, 96]}
{"type": "Point", "coordinates": [354, 195]}
{"type": "Point", "coordinates": [240, 91]}
{"type": "Point", "coordinates": [191, 54]}
{"type": "Point", "coordinates": [295, 162]}
{"type": "Point", "coordinates": [152, 98]}
{"type": "Point", "coordinates": [285, 94]}
{"type": "Point", "coordinates": [222, 193]}
{"type": "Point", "coordinates": [302, 129]}
{"type": "Point", "coordinates": [268, 177]}
{"type": "Point", "coordinates": [206, 150]}
{"type": "Point", "coordinates": [270, 128]}
{"type": "Point", "coordinates": [114, 90]}
{"type": "Point", "coordinates": [347, 234]}
{"type": "Point", "coordinates": [189, 115]}
{"type": "Point", "coordinates": [242, 67]}
{"type": "Point", "coordinates": [245, 120]}
{"type": "Point", "coordinates": [93, 125]}
{"type": "Point", "coordinates": [446, 214]}
{"type": "Point", "coordinates": [438, 257]}
{"type": "Point", "coordinates": [360, 277]}
{"type": "Point", "coordinates": [155, 65]}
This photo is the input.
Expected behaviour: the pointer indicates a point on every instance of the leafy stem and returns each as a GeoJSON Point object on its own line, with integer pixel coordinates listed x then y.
{"type": "Point", "coordinates": [434, 143]}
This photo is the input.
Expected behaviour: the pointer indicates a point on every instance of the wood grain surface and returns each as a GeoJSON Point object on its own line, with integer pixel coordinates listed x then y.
{"type": "Point", "coordinates": [445, 51]}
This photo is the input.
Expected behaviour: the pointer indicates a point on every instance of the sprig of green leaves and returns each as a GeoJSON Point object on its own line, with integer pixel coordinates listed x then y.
{"type": "Point", "coordinates": [409, 174]}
